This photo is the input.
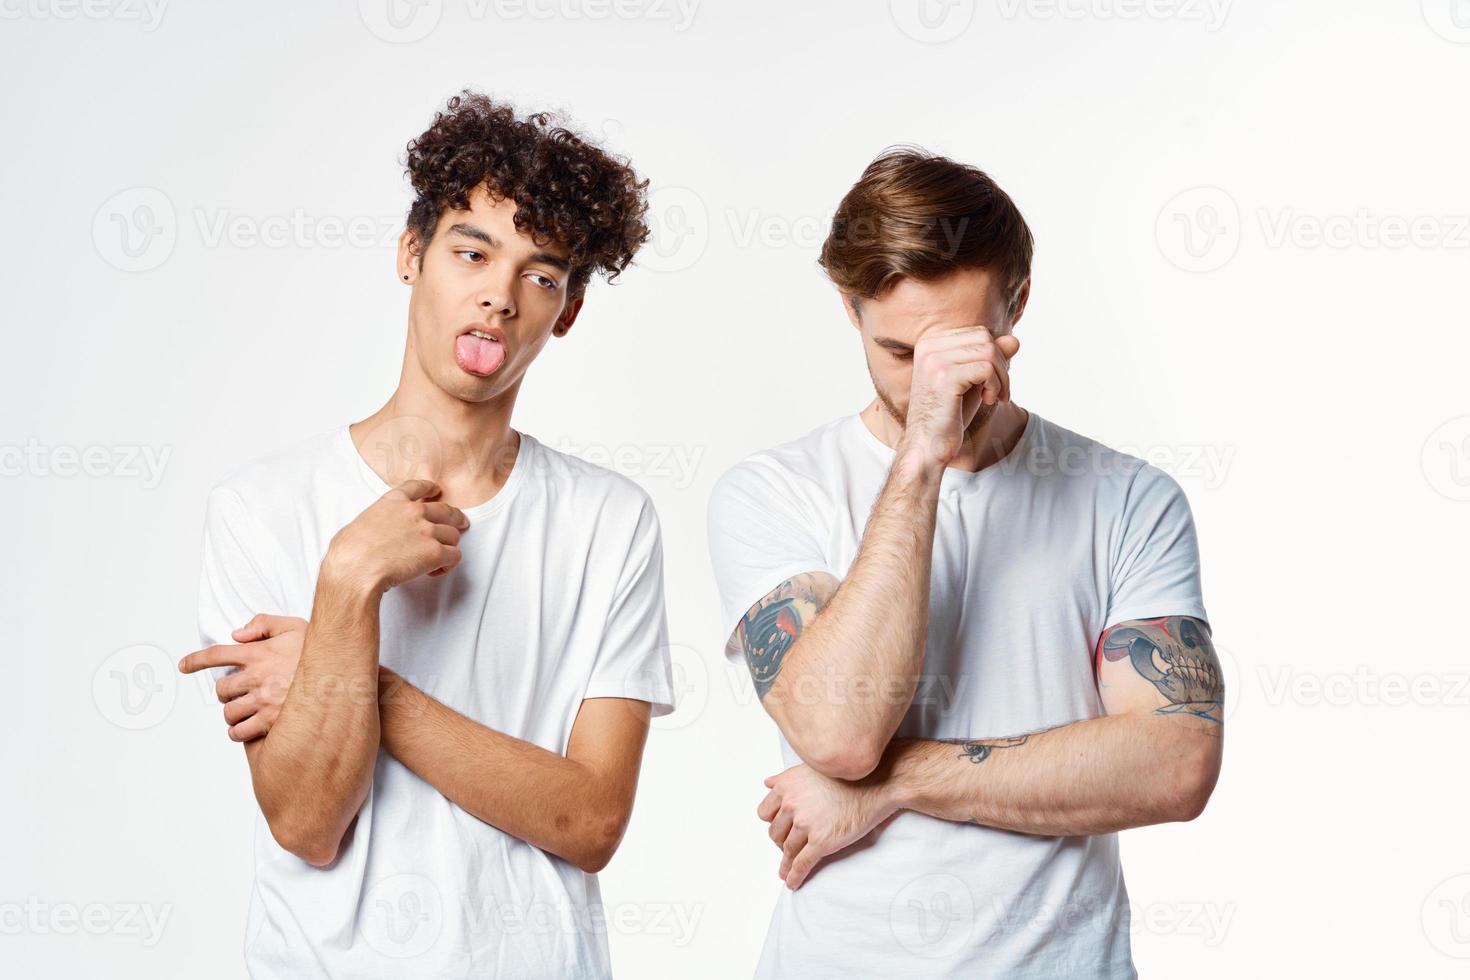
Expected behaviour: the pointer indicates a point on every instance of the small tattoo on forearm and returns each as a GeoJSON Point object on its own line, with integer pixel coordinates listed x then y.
{"type": "Point", "coordinates": [978, 752]}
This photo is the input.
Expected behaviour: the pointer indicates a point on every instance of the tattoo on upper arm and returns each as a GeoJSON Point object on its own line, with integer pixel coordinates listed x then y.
{"type": "Point", "coordinates": [1176, 655]}
{"type": "Point", "coordinates": [770, 628]}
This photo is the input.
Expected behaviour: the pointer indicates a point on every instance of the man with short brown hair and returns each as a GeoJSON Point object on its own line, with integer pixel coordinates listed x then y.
{"type": "Point", "coordinates": [920, 590]}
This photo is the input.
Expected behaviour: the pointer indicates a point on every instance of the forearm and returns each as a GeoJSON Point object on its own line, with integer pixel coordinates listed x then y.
{"type": "Point", "coordinates": [545, 799]}
{"type": "Point", "coordinates": [313, 772]}
{"type": "Point", "coordinates": [853, 672]}
{"type": "Point", "coordinates": [1091, 777]}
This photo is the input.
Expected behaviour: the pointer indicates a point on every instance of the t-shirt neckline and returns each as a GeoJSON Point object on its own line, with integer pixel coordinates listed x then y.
{"type": "Point", "coordinates": [500, 500]}
{"type": "Point", "coordinates": [953, 476]}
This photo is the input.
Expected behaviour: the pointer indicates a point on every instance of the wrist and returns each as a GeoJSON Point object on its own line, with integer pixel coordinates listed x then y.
{"type": "Point", "coordinates": [913, 464]}
{"type": "Point", "coordinates": [346, 577]}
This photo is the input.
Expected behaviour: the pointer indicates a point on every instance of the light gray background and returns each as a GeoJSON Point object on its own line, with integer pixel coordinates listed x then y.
{"type": "Point", "coordinates": [1252, 254]}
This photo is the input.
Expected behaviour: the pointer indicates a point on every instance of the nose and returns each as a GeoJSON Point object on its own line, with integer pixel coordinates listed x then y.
{"type": "Point", "coordinates": [497, 297]}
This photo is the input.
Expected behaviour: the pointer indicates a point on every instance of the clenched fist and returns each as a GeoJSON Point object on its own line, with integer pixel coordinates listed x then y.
{"type": "Point", "coordinates": [404, 534]}
{"type": "Point", "coordinates": [956, 371]}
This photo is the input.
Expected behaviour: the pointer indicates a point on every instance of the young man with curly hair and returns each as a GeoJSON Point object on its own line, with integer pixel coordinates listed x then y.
{"type": "Point", "coordinates": [981, 635]}
{"type": "Point", "coordinates": [439, 640]}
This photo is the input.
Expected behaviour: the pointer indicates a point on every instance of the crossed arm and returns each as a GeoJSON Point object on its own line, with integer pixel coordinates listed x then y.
{"type": "Point", "coordinates": [1154, 757]}
{"type": "Point", "coordinates": [312, 706]}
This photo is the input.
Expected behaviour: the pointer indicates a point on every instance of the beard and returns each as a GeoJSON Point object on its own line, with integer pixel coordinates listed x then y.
{"type": "Point", "coordinates": [982, 416]}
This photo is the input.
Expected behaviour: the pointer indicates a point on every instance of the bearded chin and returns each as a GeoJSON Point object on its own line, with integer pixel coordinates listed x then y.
{"type": "Point", "coordinates": [976, 424]}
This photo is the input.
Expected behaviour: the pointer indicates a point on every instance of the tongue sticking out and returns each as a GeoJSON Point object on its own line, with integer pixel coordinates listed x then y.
{"type": "Point", "coordinates": [478, 355]}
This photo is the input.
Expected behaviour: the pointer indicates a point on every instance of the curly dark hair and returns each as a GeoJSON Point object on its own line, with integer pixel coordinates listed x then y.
{"type": "Point", "coordinates": [565, 189]}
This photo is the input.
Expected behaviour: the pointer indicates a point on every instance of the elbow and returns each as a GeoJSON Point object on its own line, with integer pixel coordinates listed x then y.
{"type": "Point", "coordinates": [311, 845]}
{"type": "Point", "coordinates": [599, 843]}
{"type": "Point", "coordinates": [850, 759]}
{"type": "Point", "coordinates": [1194, 783]}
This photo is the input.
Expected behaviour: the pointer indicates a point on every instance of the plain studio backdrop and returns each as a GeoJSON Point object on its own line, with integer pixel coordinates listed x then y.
{"type": "Point", "coordinates": [1253, 231]}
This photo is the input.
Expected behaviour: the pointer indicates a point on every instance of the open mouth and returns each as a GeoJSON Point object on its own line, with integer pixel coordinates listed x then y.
{"type": "Point", "coordinates": [479, 352]}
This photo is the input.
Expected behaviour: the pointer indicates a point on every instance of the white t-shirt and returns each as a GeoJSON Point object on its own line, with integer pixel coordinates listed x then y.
{"type": "Point", "coordinates": [558, 597]}
{"type": "Point", "coordinates": [1033, 558]}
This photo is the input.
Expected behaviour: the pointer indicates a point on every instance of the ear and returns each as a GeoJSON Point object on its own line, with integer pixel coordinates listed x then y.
{"type": "Point", "coordinates": [410, 256]}
{"type": "Point", "coordinates": [568, 316]}
{"type": "Point", "coordinates": [850, 307]}
{"type": "Point", "coordinates": [1020, 304]}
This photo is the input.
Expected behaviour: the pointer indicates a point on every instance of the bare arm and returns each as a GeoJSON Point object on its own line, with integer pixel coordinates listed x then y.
{"type": "Point", "coordinates": [1154, 758]}
{"type": "Point", "coordinates": [313, 776]}
{"type": "Point", "coordinates": [575, 806]}
{"type": "Point", "coordinates": [836, 666]}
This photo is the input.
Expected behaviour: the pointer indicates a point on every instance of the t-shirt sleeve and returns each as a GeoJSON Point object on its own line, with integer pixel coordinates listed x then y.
{"type": "Point", "coordinates": [633, 659]}
{"type": "Point", "coordinates": [1155, 560]}
{"type": "Point", "coordinates": [762, 531]}
{"type": "Point", "coordinates": [233, 584]}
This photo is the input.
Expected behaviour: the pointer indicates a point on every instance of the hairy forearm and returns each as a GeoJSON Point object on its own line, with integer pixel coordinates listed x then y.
{"type": "Point", "coordinates": [852, 673]}
{"type": "Point", "coordinates": [312, 774]}
{"type": "Point", "coordinates": [1090, 777]}
{"type": "Point", "coordinates": [550, 801]}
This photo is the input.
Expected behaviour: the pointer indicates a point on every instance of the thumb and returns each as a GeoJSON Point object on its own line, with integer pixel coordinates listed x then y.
{"type": "Point", "coordinates": [416, 489]}
{"type": "Point", "coordinates": [260, 627]}
{"type": "Point", "coordinates": [1008, 345]}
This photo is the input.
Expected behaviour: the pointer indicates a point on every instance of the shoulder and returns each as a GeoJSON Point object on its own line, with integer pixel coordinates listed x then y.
{"type": "Point", "coordinates": [788, 472]}
{"type": "Point", "coordinates": [586, 488]}
{"type": "Point", "coordinates": [1112, 474]}
{"type": "Point", "coordinates": [282, 477]}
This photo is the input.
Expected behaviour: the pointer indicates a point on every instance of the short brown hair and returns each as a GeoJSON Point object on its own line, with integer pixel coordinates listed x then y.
{"type": "Point", "coordinates": [565, 189]}
{"type": "Point", "coordinates": [918, 215]}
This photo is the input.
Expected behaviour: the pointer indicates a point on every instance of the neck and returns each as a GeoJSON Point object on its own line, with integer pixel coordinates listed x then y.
{"type": "Point", "coordinates": [423, 432]}
{"type": "Point", "coordinates": [985, 443]}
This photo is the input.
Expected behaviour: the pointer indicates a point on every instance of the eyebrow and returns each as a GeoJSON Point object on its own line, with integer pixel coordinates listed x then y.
{"type": "Point", "coordinates": [480, 235]}
{"type": "Point", "coordinates": [892, 344]}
